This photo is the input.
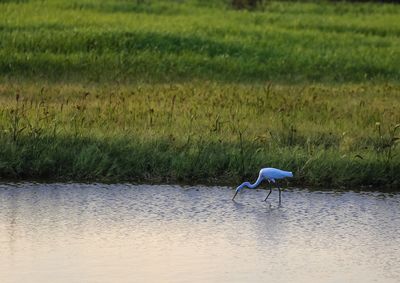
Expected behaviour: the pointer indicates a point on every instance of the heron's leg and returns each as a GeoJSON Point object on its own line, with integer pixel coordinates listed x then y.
{"type": "Point", "coordinates": [270, 191]}
{"type": "Point", "coordinates": [280, 192]}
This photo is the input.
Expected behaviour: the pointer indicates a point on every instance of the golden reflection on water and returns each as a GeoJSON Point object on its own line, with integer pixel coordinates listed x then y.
{"type": "Point", "coordinates": [124, 233]}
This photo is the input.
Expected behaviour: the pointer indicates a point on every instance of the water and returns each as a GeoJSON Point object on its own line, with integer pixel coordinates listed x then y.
{"type": "Point", "coordinates": [126, 233]}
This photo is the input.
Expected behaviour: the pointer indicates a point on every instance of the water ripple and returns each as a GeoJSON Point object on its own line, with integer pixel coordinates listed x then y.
{"type": "Point", "coordinates": [120, 233]}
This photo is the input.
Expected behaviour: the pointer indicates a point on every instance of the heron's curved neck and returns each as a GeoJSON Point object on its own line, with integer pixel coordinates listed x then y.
{"type": "Point", "coordinates": [253, 186]}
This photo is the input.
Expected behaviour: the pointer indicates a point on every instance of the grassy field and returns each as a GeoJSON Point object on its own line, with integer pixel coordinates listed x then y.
{"type": "Point", "coordinates": [193, 91]}
{"type": "Point", "coordinates": [119, 40]}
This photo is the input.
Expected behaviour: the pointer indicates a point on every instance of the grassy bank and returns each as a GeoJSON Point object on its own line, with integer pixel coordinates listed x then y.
{"type": "Point", "coordinates": [195, 91]}
{"type": "Point", "coordinates": [199, 131]}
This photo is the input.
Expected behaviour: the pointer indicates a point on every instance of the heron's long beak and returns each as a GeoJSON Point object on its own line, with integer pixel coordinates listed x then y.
{"type": "Point", "coordinates": [235, 195]}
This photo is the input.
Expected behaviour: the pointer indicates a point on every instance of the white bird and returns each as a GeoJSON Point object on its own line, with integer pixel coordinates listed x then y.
{"type": "Point", "coordinates": [269, 174]}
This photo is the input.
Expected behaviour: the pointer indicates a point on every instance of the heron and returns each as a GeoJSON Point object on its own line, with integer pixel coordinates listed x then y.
{"type": "Point", "coordinates": [269, 174]}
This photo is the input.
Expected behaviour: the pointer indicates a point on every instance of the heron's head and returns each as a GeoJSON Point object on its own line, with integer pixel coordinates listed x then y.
{"type": "Point", "coordinates": [238, 189]}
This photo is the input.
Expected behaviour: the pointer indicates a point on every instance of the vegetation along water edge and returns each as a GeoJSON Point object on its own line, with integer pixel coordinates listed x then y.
{"type": "Point", "coordinates": [196, 91]}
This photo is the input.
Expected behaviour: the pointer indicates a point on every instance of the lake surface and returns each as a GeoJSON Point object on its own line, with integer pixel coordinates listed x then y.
{"type": "Point", "coordinates": [127, 233]}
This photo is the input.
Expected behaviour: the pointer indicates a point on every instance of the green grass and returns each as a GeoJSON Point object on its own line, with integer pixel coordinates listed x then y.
{"type": "Point", "coordinates": [160, 41]}
{"type": "Point", "coordinates": [193, 91]}
{"type": "Point", "coordinates": [200, 132]}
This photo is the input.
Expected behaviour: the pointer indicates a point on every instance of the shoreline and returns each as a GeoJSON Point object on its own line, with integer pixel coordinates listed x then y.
{"type": "Point", "coordinates": [337, 137]}
{"type": "Point", "coordinates": [200, 184]}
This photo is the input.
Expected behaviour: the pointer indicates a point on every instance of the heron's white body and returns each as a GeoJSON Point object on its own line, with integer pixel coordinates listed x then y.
{"type": "Point", "coordinates": [269, 174]}
{"type": "Point", "coordinates": [273, 174]}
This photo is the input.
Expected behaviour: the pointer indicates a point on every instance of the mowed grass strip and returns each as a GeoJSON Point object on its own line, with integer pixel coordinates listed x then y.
{"type": "Point", "coordinates": [163, 41]}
